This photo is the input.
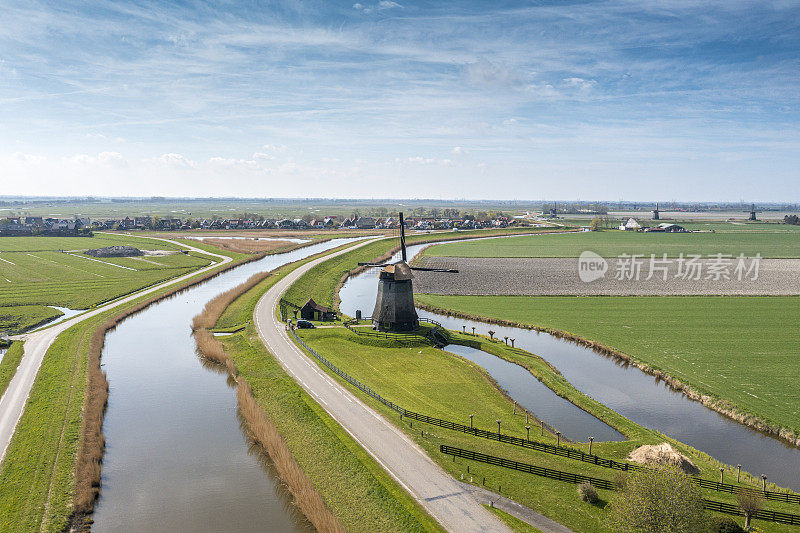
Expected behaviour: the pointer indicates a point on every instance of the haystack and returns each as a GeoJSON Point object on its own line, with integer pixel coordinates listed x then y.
{"type": "Point", "coordinates": [662, 455]}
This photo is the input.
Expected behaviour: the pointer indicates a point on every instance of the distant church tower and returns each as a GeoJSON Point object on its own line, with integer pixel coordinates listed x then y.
{"type": "Point", "coordinates": [655, 213]}
{"type": "Point", "coordinates": [752, 212]}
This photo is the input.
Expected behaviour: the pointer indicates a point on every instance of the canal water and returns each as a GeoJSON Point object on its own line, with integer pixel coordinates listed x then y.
{"type": "Point", "coordinates": [176, 458]}
{"type": "Point", "coordinates": [625, 389]}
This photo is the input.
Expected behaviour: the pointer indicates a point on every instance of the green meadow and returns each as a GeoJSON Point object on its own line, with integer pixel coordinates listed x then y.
{"type": "Point", "coordinates": [614, 242]}
{"type": "Point", "coordinates": [36, 274]}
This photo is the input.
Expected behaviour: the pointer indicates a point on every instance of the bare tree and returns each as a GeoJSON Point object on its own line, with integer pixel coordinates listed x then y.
{"type": "Point", "coordinates": [750, 502]}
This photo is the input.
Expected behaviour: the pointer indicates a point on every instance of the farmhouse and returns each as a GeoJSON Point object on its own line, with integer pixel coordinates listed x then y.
{"type": "Point", "coordinates": [630, 225]}
{"type": "Point", "coordinates": [311, 310]}
{"type": "Point", "coordinates": [665, 227]}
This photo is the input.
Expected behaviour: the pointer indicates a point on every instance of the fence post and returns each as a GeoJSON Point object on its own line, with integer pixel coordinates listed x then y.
{"type": "Point", "coordinates": [738, 472]}
{"type": "Point", "coordinates": [542, 428]}
{"type": "Point", "coordinates": [498, 430]}
{"type": "Point", "coordinates": [721, 476]}
{"type": "Point", "coordinates": [590, 445]}
{"type": "Point", "coordinates": [470, 421]}
{"type": "Point", "coordinates": [764, 480]}
{"type": "Point", "coordinates": [528, 429]}
{"type": "Point", "coordinates": [558, 437]}
{"type": "Point", "coordinates": [515, 407]}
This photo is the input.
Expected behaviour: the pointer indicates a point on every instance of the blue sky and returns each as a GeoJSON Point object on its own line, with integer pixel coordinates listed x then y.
{"type": "Point", "coordinates": [634, 100]}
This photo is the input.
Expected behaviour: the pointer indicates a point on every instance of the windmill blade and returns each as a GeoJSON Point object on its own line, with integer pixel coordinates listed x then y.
{"type": "Point", "coordinates": [423, 269]}
{"type": "Point", "coordinates": [373, 264]}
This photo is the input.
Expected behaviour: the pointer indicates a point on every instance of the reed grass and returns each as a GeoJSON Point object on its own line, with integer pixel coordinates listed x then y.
{"type": "Point", "coordinates": [250, 246]}
{"type": "Point", "coordinates": [258, 426]}
{"type": "Point", "coordinates": [217, 305]}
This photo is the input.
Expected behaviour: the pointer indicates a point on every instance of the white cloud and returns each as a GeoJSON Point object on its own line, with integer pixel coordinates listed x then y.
{"type": "Point", "coordinates": [380, 6]}
{"type": "Point", "coordinates": [580, 83]}
{"type": "Point", "coordinates": [171, 160]}
{"type": "Point", "coordinates": [418, 160]}
{"type": "Point", "coordinates": [458, 150]}
{"type": "Point", "coordinates": [112, 159]}
{"type": "Point", "coordinates": [485, 72]}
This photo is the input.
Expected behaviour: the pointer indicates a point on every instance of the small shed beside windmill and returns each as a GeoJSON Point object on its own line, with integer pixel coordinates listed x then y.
{"type": "Point", "coordinates": [311, 310]}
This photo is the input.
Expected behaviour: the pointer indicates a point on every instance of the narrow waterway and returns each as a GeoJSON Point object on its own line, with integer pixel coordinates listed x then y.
{"type": "Point", "coordinates": [625, 389]}
{"type": "Point", "coordinates": [176, 458]}
{"type": "Point", "coordinates": [67, 313]}
{"type": "Point", "coordinates": [574, 423]}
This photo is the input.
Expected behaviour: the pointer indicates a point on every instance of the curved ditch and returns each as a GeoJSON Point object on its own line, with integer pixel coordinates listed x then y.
{"type": "Point", "coordinates": [176, 457]}
{"type": "Point", "coordinates": [627, 390]}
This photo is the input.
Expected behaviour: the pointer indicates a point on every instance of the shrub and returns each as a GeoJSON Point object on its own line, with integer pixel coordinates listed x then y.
{"type": "Point", "coordinates": [723, 524]}
{"type": "Point", "coordinates": [587, 492]}
{"type": "Point", "coordinates": [657, 500]}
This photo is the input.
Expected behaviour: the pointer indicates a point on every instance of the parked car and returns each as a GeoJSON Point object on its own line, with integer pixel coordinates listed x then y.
{"type": "Point", "coordinates": [305, 324]}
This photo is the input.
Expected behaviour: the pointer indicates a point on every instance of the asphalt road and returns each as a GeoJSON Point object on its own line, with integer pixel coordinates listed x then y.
{"type": "Point", "coordinates": [442, 496]}
{"type": "Point", "coordinates": [12, 404]}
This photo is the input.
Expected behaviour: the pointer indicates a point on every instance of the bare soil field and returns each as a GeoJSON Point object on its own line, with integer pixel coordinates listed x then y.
{"type": "Point", "coordinates": [560, 276]}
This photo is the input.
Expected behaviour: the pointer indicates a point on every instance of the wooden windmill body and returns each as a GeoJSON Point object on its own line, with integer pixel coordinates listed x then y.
{"type": "Point", "coordinates": [394, 305]}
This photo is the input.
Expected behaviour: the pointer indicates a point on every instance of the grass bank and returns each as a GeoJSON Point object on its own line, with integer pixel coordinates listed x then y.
{"type": "Point", "coordinates": [9, 364]}
{"type": "Point", "coordinates": [319, 457]}
{"type": "Point", "coordinates": [706, 346]}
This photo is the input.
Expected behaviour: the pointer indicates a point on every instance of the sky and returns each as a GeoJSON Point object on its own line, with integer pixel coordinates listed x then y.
{"type": "Point", "coordinates": [621, 100]}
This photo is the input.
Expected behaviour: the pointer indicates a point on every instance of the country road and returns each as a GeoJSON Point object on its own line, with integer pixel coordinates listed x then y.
{"type": "Point", "coordinates": [441, 495]}
{"type": "Point", "coordinates": [12, 404]}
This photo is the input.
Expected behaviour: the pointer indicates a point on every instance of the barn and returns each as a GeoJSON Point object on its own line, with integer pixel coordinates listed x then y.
{"type": "Point", "coordinates": [311, 310]}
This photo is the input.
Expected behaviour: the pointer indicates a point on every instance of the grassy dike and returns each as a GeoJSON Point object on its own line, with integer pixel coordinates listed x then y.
{"type": "Point", "coordinates": [554, 499]}
{"type": "Point", "coordinates": [49, 476]}
{"type": "Point", "coordinates": [9, 364]}
{"type": "Point", "coordinates": [356, 490]}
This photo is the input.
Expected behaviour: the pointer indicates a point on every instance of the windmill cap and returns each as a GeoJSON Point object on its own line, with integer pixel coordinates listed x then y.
{"type": "Point", "coordinates": [398, 272]}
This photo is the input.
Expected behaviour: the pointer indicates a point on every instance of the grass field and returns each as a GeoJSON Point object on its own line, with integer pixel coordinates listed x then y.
{"type": "Point", "coordinates": [21, 317]}
{"type": "Point", "coordinates": [614, 243]}
{"type": "Point", "coordinates": [99, 240]}
{"type": "Point", "coordinates": [740, 349]}
{"type": "Point", "coordinates": [77, 281]}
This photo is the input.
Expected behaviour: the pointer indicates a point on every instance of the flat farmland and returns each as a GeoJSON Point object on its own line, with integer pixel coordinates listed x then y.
{"type": "Point", "coordinates": [77, 281]}
{"type": "Point", "coordinates": [99, 240]}
{"type": "Point", "coordinates": [615, 243]}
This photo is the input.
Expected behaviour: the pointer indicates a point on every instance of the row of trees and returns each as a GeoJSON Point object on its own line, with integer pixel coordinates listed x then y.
{"type": "Point", "coordinates": [794, 220]}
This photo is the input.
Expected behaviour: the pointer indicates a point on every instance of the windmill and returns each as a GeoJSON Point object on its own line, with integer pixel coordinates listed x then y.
{"type": "Point", "coordinates": [656, 215]}
{"type": "Point", "coordinates": [394, 306]}
{"type": "Point", "coordinates": [752, 212]}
